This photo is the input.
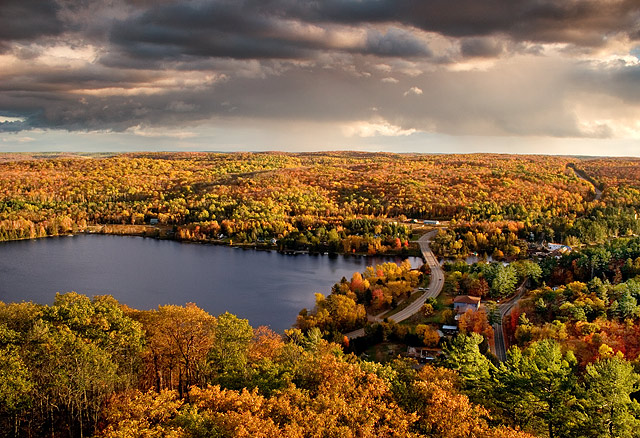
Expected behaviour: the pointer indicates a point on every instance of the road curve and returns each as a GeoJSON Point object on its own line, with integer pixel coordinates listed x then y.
{"type": "Point", "coordinates": [434, 289]}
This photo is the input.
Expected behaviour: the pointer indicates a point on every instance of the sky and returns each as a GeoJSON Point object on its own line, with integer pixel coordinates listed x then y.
{"type": "Point", "coordinates": [431, 76]}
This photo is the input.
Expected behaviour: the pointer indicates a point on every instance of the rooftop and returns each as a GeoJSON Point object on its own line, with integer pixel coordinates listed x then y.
{"type": "Point", "coordinates": [466, 299]}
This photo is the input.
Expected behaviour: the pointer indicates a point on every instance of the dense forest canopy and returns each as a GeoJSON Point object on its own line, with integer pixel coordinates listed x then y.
{"type": "Point", "coordinates": [91, 366]}
{"type": "Point", "coordinates": [310, 201]}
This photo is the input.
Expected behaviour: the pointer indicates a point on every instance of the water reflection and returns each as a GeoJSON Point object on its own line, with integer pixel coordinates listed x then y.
{"type": "Point", "coordinates": [267, 288]}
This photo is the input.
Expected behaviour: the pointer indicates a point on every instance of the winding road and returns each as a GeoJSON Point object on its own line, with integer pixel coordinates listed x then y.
{"type": "Point", "coordinates": [434, 289]}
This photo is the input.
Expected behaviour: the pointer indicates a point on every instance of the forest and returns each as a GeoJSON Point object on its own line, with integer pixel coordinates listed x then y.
{"type": "Point", "coordinates": [572, 369]}
{"type": "Point", "coordinates": [336, 202]}
{"type": "Point", "coordinates": [574, 340]}
{"type": "Point", "coordinates": [93, 367]}
{"type": "Point", "coordinates": [90, 366]}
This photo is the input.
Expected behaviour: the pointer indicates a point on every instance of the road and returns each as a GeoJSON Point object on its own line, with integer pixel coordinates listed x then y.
{"type": "Point", "coordinates": [507, 306]}
{"type": "Point", "coordinates": [580, 174]}
{"type": "Point", "coordinates": [505, 309]}
{"type": "Point", "coordinates": [434, 289]}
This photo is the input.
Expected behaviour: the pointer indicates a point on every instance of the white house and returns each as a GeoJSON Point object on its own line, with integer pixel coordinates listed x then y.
{"type": "Point", "coordinates": [462, 303]}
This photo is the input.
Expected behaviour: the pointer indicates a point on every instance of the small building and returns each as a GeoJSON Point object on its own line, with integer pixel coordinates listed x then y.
{"type": "Point", "coordinates": [558, 247]}
{"type": "Point", "coordinates": [462, 303]}
{"type": "Point", "coordinates": [449, 330]}
{"type": "Point", "coordinates": [153, 221]}
{"type": "Point", "coordinates": [422, 354]}
{"type": "Point", "coordinates": [431, 222]}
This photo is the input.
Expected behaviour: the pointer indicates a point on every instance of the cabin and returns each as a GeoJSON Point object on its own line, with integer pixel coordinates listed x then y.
{"type": "Point", "coordinates": [462, 303]}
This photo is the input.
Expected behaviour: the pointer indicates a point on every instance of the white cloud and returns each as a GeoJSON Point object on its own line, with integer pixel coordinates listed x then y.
{"type": "Point", "coordinates": [413, 90]}
{"type": "Point", "coordinates": [145, 131]}
{"type": "Point", "coordinates": [375, 128]}
{"type": "Point", "coordinates": [601, 116]}
{"type": "Point", "coordinates": [10, 119]}
{"type": "Point", "coordinates": [18, 140]}
{"type": "Point", "coordinates": [386, 68]}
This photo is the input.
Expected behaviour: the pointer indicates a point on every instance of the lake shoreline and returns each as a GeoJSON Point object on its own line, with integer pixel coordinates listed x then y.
{"type": "Point", "coordinates": [265, 287]}
{"type": "Point", "coordinates": [167, 233]}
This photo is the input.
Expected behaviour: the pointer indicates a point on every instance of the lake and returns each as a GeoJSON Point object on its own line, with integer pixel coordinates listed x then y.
{"type": "Point", "coordinates": [267, 288]}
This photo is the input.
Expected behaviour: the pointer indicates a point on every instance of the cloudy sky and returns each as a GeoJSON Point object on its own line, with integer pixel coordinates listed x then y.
{"type": "Point", "coordinates": [522, 76]}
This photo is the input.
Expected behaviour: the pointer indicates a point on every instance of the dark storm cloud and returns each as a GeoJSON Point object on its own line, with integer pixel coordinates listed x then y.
{"type": "Point", "coordinates": [254, 28]}
{"type": "Point", "coordinates": [216, 29]}
{"type": "Point", "coordinates": [332, 95]}
{"type": "Point", "coordinates": [258, 29]}
{"type": "Point", "coordinates": [239, 30]}
{"type": "Point", "coordinates": [29, 19]}
{"type": "Point", "coordinates": [116, 113]}
{"type": "Point", "coordinates": [622, 82]}
{"type": "Point", "coordinates": [321, 95]}
{"type": "Point", "coordinates": [481, 47]}
{"type": "Point", "coordinates": [63, 80]}
{"type": "Point", "coordinates": [522, 100]}
{"type": "Point", "coordinates": [582, 22]}
{"type": "Point", "coordinates": [396, 42]}
{"type": "Point", "coordinates": [329, 60]}
{"type": "Point", "coordinates": [16, 126]}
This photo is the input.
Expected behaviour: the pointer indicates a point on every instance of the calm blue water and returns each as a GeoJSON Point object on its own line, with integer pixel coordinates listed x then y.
{"type": "Point", "coordinates": [267, 288]}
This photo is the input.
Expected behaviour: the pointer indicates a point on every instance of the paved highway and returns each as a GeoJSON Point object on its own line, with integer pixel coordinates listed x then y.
{"type": "Point", "coordinates": [505, 309]}
{"type": "Point", "coordinates": [434, 289]}
{"type": "Point", "coordinates": [498, 340]}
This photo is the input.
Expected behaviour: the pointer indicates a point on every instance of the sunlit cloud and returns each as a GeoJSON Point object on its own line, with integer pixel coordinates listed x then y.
{"type": "Point", "coordinates": [145, 131]}
{"type": "Point", "coordinates": [376, 128]}
{"type": "Point", "coordinates": [413, 90]}
{"type": "Point", "coordinates": [10, 119]}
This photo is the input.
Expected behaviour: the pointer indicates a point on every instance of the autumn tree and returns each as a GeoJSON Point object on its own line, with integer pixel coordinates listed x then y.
{"type": "Point", "coordinates": [16, 387]}
{"type": "Point", "coordinates": [178, 343]}
{"type": "Point", "coordinates": [428, 334]}
{"type": "Point", "coordinates": [475, 322]}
